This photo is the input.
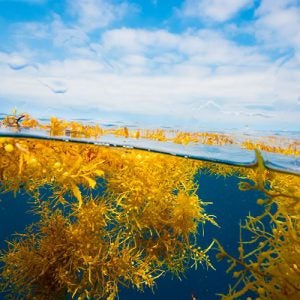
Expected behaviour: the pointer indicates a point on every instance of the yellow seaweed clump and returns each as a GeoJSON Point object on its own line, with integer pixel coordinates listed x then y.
{"type": "Point", "coordinates": [81, 257]}
{"type": "Point", "coordinates": [268, 264]}
{"type": "Point", "coordinates": [281, 189]}
{"type": "Point", "coordinates": [141, 223]}
{"type": "Point", "coordinates": [269, 256]}
{"type": "Point", "coordinates": [34, 164]}
{"type": "Point", "coordinates": [32, 265]}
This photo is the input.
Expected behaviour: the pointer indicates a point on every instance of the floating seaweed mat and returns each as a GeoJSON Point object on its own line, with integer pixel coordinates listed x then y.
{"type": "Point", "coordinates": [279, 153]}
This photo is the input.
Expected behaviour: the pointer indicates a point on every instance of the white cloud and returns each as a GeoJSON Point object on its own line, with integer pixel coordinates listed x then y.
{"type": "Point", "coordinates": [29, 31]}
{"type": "Point", "coordinates": [267, 6]}
{"type": "Point", "coordinates": [67, 37]}
{"type": "Point", "coordinates": [58, 37]}
{"type": "Point", "coordinates": [215, 10]}
{"type": "Point", "coordinates": [17, 60]}
{"type": "Point", "coordinates": [138, 40]}
{"type": "Point", "coordinates": [278, 23]}
{"type": "Point", "coordinates": [276, 30]}
{"type": "Point", "coordinates": [186, 51]}
{"type": "Point", "coordinates": [14, 60]}
{"type": "Point", "coordinates": [94, 14]}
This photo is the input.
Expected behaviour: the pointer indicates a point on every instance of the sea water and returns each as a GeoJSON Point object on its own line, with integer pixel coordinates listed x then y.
{"type": "Point", "coordinates": [228, 204]}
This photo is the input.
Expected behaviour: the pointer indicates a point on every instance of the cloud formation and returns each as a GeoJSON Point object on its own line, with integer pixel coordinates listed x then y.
{"type": "Point", "coordinates": [198, 75]}
{"type": "Point", "coordinates": [95, 14]}
{"type": "Point", "coordinates": [278, 24]}
{"type": "Point", "coordinates": [215, 10]}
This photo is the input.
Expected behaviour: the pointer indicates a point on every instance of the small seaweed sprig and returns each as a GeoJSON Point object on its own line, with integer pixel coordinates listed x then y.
{"type": "Point", "coordinates": [268, 262]}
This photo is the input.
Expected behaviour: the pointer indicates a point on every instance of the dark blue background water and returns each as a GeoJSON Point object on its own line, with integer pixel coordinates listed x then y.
{"type": "Point", "coordinates": [229, 205]}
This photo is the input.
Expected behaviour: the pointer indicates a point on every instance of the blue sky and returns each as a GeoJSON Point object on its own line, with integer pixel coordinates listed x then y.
{"type": "Point", "coordinates": [193, 63]}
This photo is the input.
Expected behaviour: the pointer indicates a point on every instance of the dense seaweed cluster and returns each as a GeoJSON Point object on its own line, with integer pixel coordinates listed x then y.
{"type": "Point", "coordinates": [88, 243]}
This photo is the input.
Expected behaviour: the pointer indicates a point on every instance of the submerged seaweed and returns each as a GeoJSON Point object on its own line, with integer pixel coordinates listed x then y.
{"type": "Point", "coordinates": [117, 218]}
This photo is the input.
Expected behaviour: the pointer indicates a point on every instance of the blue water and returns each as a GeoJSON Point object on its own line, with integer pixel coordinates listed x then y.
{"type": "Point", "coordinates": [230, 206]}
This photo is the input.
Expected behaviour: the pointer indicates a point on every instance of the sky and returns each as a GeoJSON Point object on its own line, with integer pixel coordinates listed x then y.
{"type": "Point", "coordinates": [199, 64]}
